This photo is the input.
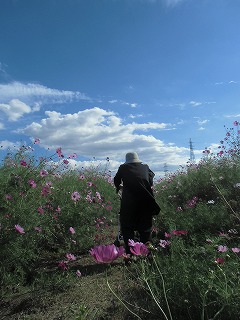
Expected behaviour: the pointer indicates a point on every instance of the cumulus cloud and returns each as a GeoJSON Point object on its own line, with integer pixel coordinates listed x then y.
{"type": "Point", "coordinates": [15, 109]}
{"type": "Point", "coordinates": [32, 92]}
{"type": "Point", "coordinates": [100, 133]}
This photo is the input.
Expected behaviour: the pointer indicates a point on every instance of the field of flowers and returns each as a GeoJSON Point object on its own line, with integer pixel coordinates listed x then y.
{"type": "Point", "coordinates": [189, 271]}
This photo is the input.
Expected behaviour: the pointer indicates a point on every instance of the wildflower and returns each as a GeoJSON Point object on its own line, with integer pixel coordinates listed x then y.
{"type": "Point", "coordinates": [72, 230]}
{"type": "Point", "coordinates": [222, 248]}
{"type": "Point", "coordinates": [235, 123]}
{"type": "Point", "coordinates": [43, 173]}
{"type": "Point", "coordinates": [78, 273]}
{"type": "Point", "coordinates": [59, 152]}
{"type": "Point", "coordinates": [19, 229]}
{"type": "Point", "coordinates": [72, 156]}
{"type": "Point", "coordinates": [236, 250]}
{"type": "Point", "coordinates": [179, 209]}
{"type": "Point", "coordinates": [167, 235]}
{"type": "Point", "coordinates": [179, 232]}
{"type": "Point", "coordinates": [82, 177]}
{"type": "Point", "coordinates": [219, 260]}
{"type": "Point", "coordinates": [40, 210]}
{"type": "Point", "coordinates": [45, 191]}
{"type": "Point", "coordinates": [65, 161]}
{"type": "Point", "coordinates": [164, 243]}
{"type": "Point", "coordinates": [71, 257]}
{"type": "Point", "coordinates": [106, 254]}
{"type": "Point", "coordinates": [63, 265]}
{"type": "Point", "coordinates": [58, 210]}
{"type": "Point", "coordinates": [138, 248]}
{"type": "Point", "coordinates": [237, 185]}
{"type": "Point", "coordinates": [38, 229]}
{"type": "Point", "coordinates": [32, 183]}
{"type": "Point", "coordinates": [23, 163]}
{"type": "Point", "coordinates": [8, 197]}
{"type": "Point", "coordinates": [75, 196]}
{"type": "Point", "coordinates": [36, 141]}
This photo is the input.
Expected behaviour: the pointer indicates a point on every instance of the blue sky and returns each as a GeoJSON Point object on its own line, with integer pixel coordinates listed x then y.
{"type": "Point", "coordinates": [100, 78]}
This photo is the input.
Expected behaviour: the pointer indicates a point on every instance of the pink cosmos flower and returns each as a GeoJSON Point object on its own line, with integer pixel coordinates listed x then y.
{"type": "Point", "coordinates": [219, 260]}
{"type": "Point", "coordinates": [179, 232]}
{"type": "Point", "coordinates": [222, 248]}
{"type": "Point", "coordinates": [63, 265]}
{"type": "Point", "coordinates": [72, 230]}
{"type": "Point", "coordinates": [38, 229]}
{"type": "Point", "coordinates": [65, 161]}
{"type": "Point", "coordinates": [167, 235]}
{"type": "Point", "coordinates": [75, 196]}
{"type": "Point", "coordinates": [43, 173]}
{"type": "Point", "coordinates": [71, 257]}
{"type": "Point", "coordinates": [58, 210]}
{"type": "Point", "coordinates": [78, 273]}
{"type": "Point", "coordinates": [32, 183]}
{"type": "Point", "coordinates": [59, 152]}
{"type": "Point", "coordinates": [72, 156]}
{"type": "Point", "coordinates": [236, 250]}
{"type": "Point", "coordinates": [45, 191]}
{"type": "Point", "coordinates": [235, 123]}
{"type": "Point", "coordinates": [106, 254]}
{"type": "Point", "coordinates": [19, 229]}
{"type": "Point", "coordinates": [138, 248]}
{"type": "Point", "coordinates": [82, 177]}
{"type": "Point", "coordinates": [40, 210]}
{"type": "Point", "coordinates": [8, 197]}
{"type": "Point", "coordinates": [23, 163]}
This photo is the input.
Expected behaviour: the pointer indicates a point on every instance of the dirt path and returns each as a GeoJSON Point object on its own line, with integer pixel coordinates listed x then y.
{"type": "Point", "coordinates": [88, 298]}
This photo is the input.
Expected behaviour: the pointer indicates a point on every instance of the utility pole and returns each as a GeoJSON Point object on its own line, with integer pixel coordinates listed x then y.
{"type": "Point", "coordinates": [192, 156]}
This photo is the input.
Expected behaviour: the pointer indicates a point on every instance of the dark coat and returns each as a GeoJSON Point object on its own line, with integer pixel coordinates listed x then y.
{"type": "Point", "coordinates": [137, 195]}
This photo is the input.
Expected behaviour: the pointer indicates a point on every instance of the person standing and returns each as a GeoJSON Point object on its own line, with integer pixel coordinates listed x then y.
{"type": "Point", "coordinates": [138, 204]}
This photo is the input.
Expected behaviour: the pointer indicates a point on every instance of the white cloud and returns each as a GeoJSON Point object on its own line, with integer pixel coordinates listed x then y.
{"type": "Point", "coordinates": [15, 109]}
{"type": "Point", "coordinates": [195, 103]}
{"type": "Point", "coordinates": [202, 122]}
{"type": "Point", "coordinates": [1, 126]}
{"type": "Point", "coordinates": [32, 92]}
{"type": "Point", "coordinates": [99, 133]}
{"type": "Point", "coordinates": [5, 144]}
{"type": "Point", "coordinates": [133, 116]}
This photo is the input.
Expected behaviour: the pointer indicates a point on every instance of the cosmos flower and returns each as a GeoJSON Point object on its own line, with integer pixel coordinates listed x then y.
{"type": "Point", "coordinates": [106, 253]}
{"type": "Point", "coordinates": [72, 230]}
{"type": "Point", "coordinates": [222, 248]}
{"type": "Point", "coordinates": [75, 196]}
{"type": "Point", "coordinates": [138, 248]}
{"type": "Point", "coordinates": [19, 229]}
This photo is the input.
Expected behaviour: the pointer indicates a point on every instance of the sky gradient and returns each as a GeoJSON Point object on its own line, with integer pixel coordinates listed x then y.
{"type": "Point", "coordinates": [100, 78]}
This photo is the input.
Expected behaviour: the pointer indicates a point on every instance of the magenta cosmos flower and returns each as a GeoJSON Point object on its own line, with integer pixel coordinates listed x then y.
{"type": "Point", "coordinates": [19, 229]}
{"type": "Point", "coordinates": [106, 254]}
{"type": "Point", "coordinates": [138, 248]}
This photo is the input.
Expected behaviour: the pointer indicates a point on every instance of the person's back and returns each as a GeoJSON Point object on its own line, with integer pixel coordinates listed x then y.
{"type": "Point", "coordinates": [137, 202]}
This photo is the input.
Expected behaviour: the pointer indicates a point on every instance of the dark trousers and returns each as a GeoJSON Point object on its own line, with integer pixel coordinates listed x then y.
{"type": "Point", "coordinates": [130, 224]}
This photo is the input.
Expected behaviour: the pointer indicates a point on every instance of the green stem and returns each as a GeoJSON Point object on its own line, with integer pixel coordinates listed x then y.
{"type": "Point", "coordinates": [164, 288]}
{"type": "Point", "coordinates": [121, 300]}
{"type": "Point", "coordinates": [155, 299]}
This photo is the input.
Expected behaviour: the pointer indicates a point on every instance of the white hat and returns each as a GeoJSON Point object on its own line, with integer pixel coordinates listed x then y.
{"type": "Point", "coordinates": [132, 157]}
